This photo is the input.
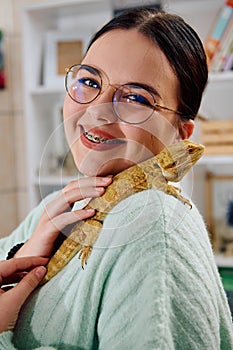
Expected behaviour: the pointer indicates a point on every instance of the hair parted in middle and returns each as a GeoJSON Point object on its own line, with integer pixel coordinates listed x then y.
{"type": "Point", "coordinates": [181, 46]}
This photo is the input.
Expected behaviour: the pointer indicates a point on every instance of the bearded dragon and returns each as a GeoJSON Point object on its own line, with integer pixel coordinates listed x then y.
{"type": "Point", "coordinates": [171, 164]}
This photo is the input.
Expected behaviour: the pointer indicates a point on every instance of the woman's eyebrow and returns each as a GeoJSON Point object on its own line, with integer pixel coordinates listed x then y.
{"type": "Point", "coordinates": [147, 87]}
{"type": "Point", "coordinates": [91, 70]}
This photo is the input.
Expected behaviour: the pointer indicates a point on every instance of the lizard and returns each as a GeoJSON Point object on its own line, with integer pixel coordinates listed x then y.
{"type": "Point", "coordinates": [171, 164]}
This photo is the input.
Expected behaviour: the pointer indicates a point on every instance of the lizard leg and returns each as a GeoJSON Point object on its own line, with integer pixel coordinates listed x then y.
{"type": "Point", "coordinates": [84, 255]}
{"type": "Point", "coordinates": [178, 189]}
{"type": "Point", "coordinates": [172, 190]}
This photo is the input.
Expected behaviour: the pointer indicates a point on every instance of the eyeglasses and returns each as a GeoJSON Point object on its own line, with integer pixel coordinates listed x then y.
{"type": "Point", "coordinates": [132, 103]}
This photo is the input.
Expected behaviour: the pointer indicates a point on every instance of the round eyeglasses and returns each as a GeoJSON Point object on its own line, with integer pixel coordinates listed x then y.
{"type": "Point", "coordinates": [132, 103]}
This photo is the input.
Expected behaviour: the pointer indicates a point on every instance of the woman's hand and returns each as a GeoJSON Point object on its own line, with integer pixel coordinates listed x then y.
{"type": "Point", "coordinates": [58, 215]}
{"type": "Point", "coordinates": [11, 300]}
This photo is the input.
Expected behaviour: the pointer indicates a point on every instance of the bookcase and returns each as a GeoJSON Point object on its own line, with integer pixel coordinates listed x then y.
{"type": "Point", "coordinates": [211, 183]}
{"type": "Point", "coordinates": [43, 101]}
{"type": "Point", "coordinates": [44, 94]}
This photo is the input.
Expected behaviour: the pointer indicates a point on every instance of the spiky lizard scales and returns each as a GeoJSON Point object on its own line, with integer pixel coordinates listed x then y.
{"type": "Point", "coordinates": [171, 164]}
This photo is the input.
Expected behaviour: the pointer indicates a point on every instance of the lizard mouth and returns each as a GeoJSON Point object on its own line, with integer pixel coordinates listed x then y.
{"type": "Point", "coordinates": [97, 139]}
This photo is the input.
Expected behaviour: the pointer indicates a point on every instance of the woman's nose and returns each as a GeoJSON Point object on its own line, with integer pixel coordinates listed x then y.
{"type": "Point", "coordinates": [102, 107]}
{"type": "Point", "coordinates": [102, 112]}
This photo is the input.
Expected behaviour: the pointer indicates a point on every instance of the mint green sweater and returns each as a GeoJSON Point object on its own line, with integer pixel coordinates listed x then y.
{"type": "Point", "coordinates": [150, 283]}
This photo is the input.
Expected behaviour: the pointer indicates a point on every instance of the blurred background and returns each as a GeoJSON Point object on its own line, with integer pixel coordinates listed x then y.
{"type": "Point", "coordinates": [13, 178]}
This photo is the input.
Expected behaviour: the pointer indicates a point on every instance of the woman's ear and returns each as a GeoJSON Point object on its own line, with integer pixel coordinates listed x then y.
{"type": "Point", "coordinates": [186, 128]}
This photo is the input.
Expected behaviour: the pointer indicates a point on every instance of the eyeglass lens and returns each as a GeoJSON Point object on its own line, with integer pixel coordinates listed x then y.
{"type": "Point", "coordinates": [131, 103]}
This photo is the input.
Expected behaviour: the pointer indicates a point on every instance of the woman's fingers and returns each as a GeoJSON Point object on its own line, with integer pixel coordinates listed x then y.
{"type": "Point", "coordinates": [65, 219]}
{"type": "Point", "coordinates": [12, 299]}
{"type": "Point", "coordinates": [85, 182]}
{"type": "Point", "coordinates": [76, 191]}
{"type": "Point", "coordinates": [14, 278]}
{"type": "Point", "coordinates": [58, 217]}
{"type": "Point", "coordinates": [13, 267]}
{"type": "Point", "coordinates": [44, 238]}
{"type": "Point", "coordinates": [29, 282]}
{"type": "Point", "coordinates": [84, 188]}
{"type": "Point", "coordinates": [8, 267]}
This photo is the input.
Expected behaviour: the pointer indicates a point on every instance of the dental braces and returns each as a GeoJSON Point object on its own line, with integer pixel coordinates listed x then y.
{"type": "Point", "coordinates": [97, 139]}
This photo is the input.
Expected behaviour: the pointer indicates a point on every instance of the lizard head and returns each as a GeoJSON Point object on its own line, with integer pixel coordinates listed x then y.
{"type": "Point", "coordinates": [176, 160]}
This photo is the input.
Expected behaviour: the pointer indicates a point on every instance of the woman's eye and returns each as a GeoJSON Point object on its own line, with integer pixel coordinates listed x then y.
{"type": "Point", "coordinates": [137, 99]}
{"type": "Point", "coordinates": [89, 83]}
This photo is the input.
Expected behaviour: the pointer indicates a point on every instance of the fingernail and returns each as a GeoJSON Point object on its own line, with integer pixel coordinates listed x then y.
{"type": "Point", "coordinates": [100, 189]}
{"type": "Point", "coordinates": [107, 178]}
{"type": "Point", "coordinates": [90, 210]}
{"type": "Point", "coordinates": [40, 272]}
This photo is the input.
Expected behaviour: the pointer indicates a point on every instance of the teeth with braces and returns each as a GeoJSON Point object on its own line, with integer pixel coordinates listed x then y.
{"type": "Point", "coordinates": [95, 139]}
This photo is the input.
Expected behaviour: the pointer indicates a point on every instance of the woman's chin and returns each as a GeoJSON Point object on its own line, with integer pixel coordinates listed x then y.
{"type": "Point", "coordinates": [111, 167]}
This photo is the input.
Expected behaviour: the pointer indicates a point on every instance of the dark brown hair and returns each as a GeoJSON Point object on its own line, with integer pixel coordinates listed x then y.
{"type": "Point", "coordinates": [180, 44]}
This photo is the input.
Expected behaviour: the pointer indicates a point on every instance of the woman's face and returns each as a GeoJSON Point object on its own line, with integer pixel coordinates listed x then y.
{"type": "Point", "coordinates": [122, 56]}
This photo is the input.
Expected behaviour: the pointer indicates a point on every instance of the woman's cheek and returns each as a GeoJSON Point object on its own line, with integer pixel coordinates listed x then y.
{"type": "Point", "coordinates": [163, 129]}
{"type": "Point", "coordinates": [143, 137]}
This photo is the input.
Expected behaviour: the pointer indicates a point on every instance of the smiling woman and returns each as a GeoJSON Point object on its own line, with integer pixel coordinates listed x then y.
{"type": "Point", "coordinates": [127, 103]}
{"type": "Point", "coordinates": [151, 281]}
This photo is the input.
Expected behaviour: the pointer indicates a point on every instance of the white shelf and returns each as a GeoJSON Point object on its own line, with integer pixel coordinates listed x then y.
{"type": "Point", "coordinates": [55, 180]}
{"type": "Point", "coordinates": [45, 91]}
{"type": "Point", "coordinates": [57, 10]}
{"type": "Point", "coordinates": [223, 261]}
{"type": "Point", "coordinates": [43, 103]}
{"type": "Point", "coordinates": [221, 77]}
{"type": "Point", "coordinates": [216, 160]}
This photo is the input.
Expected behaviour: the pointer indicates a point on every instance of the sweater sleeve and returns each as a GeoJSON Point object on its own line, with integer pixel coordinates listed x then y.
{"type": "Point", "coordinates": [164, 291]}
{"type": "Point", "coordinates": [25, 229]}
{"type": "Point", "coordinates": [6, 342]}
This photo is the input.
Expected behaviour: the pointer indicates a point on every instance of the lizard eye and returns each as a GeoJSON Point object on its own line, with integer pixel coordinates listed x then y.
{"type": "Point", "coordinates": [175, 163]}
{"type": "Point", "coordinates": [190, 150]}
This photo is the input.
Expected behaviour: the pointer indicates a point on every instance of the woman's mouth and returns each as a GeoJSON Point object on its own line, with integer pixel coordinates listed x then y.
{"type": "Point", "coordinates": [100, 137]}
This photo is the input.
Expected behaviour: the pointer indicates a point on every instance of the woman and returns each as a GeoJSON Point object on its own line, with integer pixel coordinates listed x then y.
{"type": "Point", "coordinates": [151, 281]}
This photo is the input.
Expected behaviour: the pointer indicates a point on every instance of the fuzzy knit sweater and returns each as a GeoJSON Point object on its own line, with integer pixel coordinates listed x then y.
{"type": "Point", "coordinates": [150, 283]}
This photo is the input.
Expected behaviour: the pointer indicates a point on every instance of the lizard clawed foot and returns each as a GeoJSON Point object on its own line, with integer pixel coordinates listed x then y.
{"type": "Point", "coordinates": [178, 189]}
{"type": "Point", "coordinates": [185, 201]}
{"type": "Point", "coordinates": [172, 190]}
{"type": "Point", "coordinates": [84, 255]}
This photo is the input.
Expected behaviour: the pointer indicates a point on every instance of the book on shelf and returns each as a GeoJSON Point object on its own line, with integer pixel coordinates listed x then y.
{"type": "Point", "coordinates": [219, 59]}
{"type": "Point", "coordinates": [219, 38]}
{"type": "Point", "coordinates": [228, 65]}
